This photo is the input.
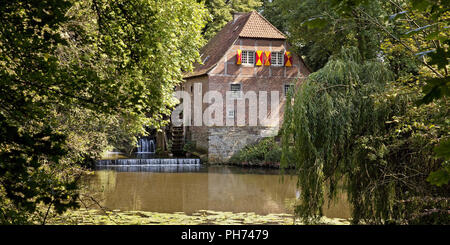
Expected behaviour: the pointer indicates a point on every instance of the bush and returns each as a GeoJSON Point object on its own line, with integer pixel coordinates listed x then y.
{"type": "Point", "coordinates": [190, 146]}
{"type": "Point", "coordinates": [264, 151]}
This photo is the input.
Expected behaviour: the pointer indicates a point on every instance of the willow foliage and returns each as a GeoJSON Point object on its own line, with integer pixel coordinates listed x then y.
{"type": "Point", "coordinates": [323, 126]}
{"type": "Point", "coordinates": [350, 127]}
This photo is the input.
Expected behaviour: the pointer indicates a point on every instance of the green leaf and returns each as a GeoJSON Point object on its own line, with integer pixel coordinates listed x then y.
{"type": "Point", "coordinates": [434, 89]}
{"type": "Point", "coordinates": [420, 5]}
{"type": "Point", "coordinates": [317, 22]}
{"type": "Point", "coordinates": [443, 150]}
{"type": "Point", "coordinates": [440, 58]}
{"type": "Point", "coordinates": [435, 35]}
{"type": "Point", "coordinates": [440, 177]}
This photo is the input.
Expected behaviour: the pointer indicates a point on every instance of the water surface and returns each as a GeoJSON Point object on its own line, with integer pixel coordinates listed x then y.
{"type": "Point", "coordinates": [169, 189]}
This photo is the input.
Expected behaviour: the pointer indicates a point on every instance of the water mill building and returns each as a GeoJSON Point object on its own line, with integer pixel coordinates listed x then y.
{"type": "Point", "coordinates": [249, 57]}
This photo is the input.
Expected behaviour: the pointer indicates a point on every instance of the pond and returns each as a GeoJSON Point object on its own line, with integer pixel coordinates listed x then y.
{"type": "Point", "coordinates": [189, 189]}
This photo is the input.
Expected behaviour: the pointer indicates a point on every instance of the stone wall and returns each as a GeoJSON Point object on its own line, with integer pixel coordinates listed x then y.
{"type": "Point", "coordinates": [199, 135]}
{"type": "Point", "coordinates": [226, 141]}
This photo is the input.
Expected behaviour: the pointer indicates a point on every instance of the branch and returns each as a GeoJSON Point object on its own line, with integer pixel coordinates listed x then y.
{"type": "Point", "coordinates": [412, 20]}
{"type": "Point", "coordinates": [400, 41]}
{"type": "Point", "coordinates": [98, 204]}
{"type": "Point", "coordinates": [334, 86]}
{"type": "Point", "coordinates": [46, 214]}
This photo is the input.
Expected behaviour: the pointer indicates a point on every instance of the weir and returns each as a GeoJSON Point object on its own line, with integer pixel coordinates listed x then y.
{"type": "Point", "coordinates": [150, 161]}
{"type": "Point", "coordinates": [161, 168]}
{"type": "Point", "coordinates": [145, 160]}
{"type": "Point", "coordinates": [166, 165]}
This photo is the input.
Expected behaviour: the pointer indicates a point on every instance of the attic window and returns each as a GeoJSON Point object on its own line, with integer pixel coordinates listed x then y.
{"type": "Point", "coordinates": [248, 57]}
{"type": "Point", "coordinates": [277, 58]}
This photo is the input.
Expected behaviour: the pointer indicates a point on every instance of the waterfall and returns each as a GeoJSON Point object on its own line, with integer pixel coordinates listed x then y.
{"type": "Point", "coordinates": [146, 145]}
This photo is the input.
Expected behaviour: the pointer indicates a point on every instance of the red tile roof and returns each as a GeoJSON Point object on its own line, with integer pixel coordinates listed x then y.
{"type": "Point", "coordinates": [258, 27]}
{"type": "Point", "coordinates": [248, 25]}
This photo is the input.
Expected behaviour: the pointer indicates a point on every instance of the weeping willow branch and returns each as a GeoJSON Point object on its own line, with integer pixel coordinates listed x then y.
{"type": "Point", "coordinates": [334, 86]}
{"type": "Point", "coordinates": [326, 127]}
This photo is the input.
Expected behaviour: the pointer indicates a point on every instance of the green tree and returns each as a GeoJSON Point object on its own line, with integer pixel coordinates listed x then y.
{"type": "Point", "coordinates": [322, 127]}
{"type": "Point", "coordinates": [351, 127]}
{"type": "Point", "coordinates": [221, 12]}
{"type": "Point", "coordinates": [423, 26]}
{"type": "Point", "coordinates": [319, 28]}
{"type": "Point", "coordinates": [380, 150]}
{"type": "Point", "coordinates": [79, 75]}
{"type": "Point", "coordinates": [273, 12]}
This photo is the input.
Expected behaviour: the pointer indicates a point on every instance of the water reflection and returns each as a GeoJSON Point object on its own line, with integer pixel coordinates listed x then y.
{"type": "Point", "coordinates": [169, 189]}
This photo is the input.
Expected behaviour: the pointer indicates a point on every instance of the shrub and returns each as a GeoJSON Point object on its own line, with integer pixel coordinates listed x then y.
{"type": "Point", "coordinates": [190, 146]}
{"type": "Point", "coordinates": [265, 151]}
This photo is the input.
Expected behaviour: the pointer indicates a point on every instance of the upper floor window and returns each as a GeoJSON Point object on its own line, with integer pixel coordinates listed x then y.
{"type": "Point", "coordinates": [277, 58]}
{"type": "Point", "coordinates": [248, 57]}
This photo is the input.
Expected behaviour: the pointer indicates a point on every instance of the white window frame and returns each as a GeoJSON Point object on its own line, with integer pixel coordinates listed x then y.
{"type": "Point", "coordinates": [248, 57]}
{"type": "Point", "coordinates": [230, 114]}
{"type": "Point", "coordinates": [277, 58]}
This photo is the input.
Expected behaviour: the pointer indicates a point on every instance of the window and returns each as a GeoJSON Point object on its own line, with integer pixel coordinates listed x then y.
{"type": "Point", "coordinates": [277, 58]}
{"type": "Point", "coordinates": [236, 90]}
{"type": "Point", "coordinates": [248, 57]}
{"type": "Point", "coordinates": [287, 88]}
{"type": "Point", "coordinates": [230, 114]}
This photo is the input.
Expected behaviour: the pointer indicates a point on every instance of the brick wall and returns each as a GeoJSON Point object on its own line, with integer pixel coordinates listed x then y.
{"type": "Point", "coordinates": [199, 134]}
